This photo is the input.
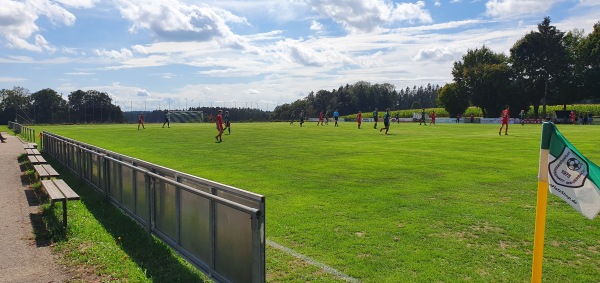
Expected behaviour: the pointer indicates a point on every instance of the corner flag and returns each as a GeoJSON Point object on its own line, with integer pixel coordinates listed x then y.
{"type": "Point", "coordinates": [570, 176]}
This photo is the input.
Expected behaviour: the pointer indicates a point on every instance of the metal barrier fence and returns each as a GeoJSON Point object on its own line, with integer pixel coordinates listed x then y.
{"type": "Point", "coordinates": [218, 228]}
{"type": "Point", "coordinates": [27, 133]}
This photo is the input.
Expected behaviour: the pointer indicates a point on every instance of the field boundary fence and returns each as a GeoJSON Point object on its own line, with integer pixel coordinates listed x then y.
{"type": "Point", "coordinates": [27, 133]}
{"type": "Point", "coordinates": [218, 228]}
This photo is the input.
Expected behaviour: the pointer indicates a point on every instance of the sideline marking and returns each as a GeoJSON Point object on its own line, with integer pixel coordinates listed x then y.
{"type": "Point", "coordinates": [322, 266]}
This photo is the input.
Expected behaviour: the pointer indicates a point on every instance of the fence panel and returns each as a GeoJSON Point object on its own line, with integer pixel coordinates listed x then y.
{"type": "Point", "coordinates": [218, 228]}
{"type": "Point", "coordinates": [141, 205]}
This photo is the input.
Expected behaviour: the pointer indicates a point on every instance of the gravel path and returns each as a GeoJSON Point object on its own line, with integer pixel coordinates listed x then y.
{"type": "Point", "coordinates": [22, 259]}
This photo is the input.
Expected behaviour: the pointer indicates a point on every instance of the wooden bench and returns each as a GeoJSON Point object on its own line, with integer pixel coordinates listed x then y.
{"type": "Point", "coordinates": [29, 145]}
{"type": "Point", "coordinates": [45, 171]}
{"type": "Point", "coordinates": [33, 159]}
{"type": "Point", "coordinates": [40, 159]}
{"type": "Point", "coordinates": [58, 190]}
{"type": "Point", "coordinates": [36, 159]}
{"type": "Point", "coordinates": [32, 151]}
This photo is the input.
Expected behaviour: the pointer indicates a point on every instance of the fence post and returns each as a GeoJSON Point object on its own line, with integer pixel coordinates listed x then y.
{"type": "Point", "coordinates": [258, 268]}
{"type": "Point", "coordinates": [178, 209]}
{"type": "Point", "coordinates": [149, 204]}
{"type": "Point", "coordinates": [212, 230]}
{"type": "Point", "coordinates": [105, 177]}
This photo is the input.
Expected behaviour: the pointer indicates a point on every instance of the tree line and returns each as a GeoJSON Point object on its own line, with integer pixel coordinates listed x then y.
{"type": "Point", "coordinates": [236, 114]}
{"type": "Point", "coordinates": [46, 106]}
{"type": "Point", "coordinates": [545, 67]}
{"type": "Point", "coordinates": [362, 96]}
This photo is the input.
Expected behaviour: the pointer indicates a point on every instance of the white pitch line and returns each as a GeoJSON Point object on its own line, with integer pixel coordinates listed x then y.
{"type": "Point", "coordinates": [322, 266]}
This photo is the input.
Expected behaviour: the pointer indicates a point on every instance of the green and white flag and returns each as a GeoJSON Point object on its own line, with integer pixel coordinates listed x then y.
{"type": "Point", "coordinates": [568, 173]}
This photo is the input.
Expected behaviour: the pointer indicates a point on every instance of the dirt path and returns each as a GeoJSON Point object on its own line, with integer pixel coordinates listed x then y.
{"type": "Point", "coordinates": [22, 259]}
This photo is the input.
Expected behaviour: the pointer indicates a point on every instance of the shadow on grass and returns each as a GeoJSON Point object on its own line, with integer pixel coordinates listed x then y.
{"type": "Point", "coordinates": [159, 262]}
{"type": "Point", "coordinates": [43, 237]}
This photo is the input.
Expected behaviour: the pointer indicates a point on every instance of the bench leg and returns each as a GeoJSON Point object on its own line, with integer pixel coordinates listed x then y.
{"type": "Point", "coordinates": [65, 214]}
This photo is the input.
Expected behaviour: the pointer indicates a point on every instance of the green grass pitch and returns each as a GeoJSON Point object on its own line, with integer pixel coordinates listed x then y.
{"type": "Point", "coordinates": [444, 203]}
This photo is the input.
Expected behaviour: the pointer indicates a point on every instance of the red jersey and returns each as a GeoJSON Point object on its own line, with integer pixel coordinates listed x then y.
{"type": "Point", "coordinates": [359, 117]}
{"type": "Point", "coordinates": [505, 116]}
{"type": "Point", "coordinates": [321, 115]}
{"type": "Point", "coordinates": [219, 122]}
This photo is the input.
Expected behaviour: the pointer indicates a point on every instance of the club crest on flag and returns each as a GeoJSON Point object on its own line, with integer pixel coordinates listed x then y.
{"type": "Point", "coordinates": [568, 169]}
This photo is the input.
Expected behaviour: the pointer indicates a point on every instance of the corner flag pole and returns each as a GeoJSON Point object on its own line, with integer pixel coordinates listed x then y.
{"type": "Point", "coordinates": [542, 201]}
{"type": "Point", "coordinates": [540, 228]}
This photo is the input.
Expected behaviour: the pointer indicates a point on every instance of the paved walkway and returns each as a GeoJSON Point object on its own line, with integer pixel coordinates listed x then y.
{"type": "Point", "coordinates": [22, 259]}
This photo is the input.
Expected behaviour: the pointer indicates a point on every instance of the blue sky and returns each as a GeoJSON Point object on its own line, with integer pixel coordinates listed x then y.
{"type": "Point", "coordinates": [175, 53]}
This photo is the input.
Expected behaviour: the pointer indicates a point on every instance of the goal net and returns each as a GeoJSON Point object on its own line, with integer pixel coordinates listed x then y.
{"type": "Point", "coordinates": [187, 116]}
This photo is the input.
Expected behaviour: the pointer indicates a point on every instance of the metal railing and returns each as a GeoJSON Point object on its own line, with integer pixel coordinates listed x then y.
{"type": "Point", "coordinates": [218, 228]}
{"type": "Point", "coordinates": [27, 133]}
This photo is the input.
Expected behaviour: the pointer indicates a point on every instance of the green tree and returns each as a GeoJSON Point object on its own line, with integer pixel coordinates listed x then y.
{"type": "Point", "coordinates": [93, 106]}
{"type": "Point", "coordinates": [589, 52]}
{"type": "Point", "coordinates": [46, 103]}
{"type": "Point", "coordinates": [15, 105]}
{"type": "Point", "coordinates": [453, 99]}
{"type": "Point", "coordinates": [416, 105]}
{"type": "Point", "coordinates": [541, 64]}
{"type": "Point", "coordinates": [486, 78]}
{"type": "Point", "coordinates": [573, 88]}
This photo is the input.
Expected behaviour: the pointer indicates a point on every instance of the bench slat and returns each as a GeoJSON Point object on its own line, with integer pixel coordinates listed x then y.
{"type": "Point", "coordinates": [50, 170]}
{"type": "Point", "coordinates": [35, 151]}
{"type": "Point", "coordinates": [29, 151]}
{"type": "Point", "coordinates": [40, 159]}
{"type": "Point", "coordinates": [33, 159]}
{"type": "Point", "coordinates": [52, 190]}
{"type": "Point", "coordinates": [41, 171]}
{"type": "Point", "coordinates": [29, 145]}
{"type": "Point", "coordinates": [67, 191]}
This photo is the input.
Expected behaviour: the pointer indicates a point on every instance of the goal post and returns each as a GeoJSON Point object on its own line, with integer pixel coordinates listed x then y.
{"type": "Point", "coordinates": [187, 116]}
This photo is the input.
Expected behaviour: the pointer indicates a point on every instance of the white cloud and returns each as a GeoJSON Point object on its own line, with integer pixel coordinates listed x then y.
{"type": "Point", "coordinates": [11, 79]}
{"type": "Point", "coordinates": [72, 51]}
{"type": "Point", "coordinates": [442, 54]}
{"type": "Point", "coordinates": [139, 49]}
{"type": "Point", "coordinates": [441, 26]}
{"type": "Point", "coordinates": [142, 92]}
{"type": "Point", "coordinates": [79, 3]}
{"type": "Point", "coordinates": [124, 53]}
{"type": "Point", "coordinates": [18, 23]}
{"type": "Point", "coordinates": [368, 15]}
{"type": "Point", "coordinates": [304, 54]}
{"type": "Point", "coordinates": [173, 20]}
{"type": "Point", "coordinates": [80, 74]}
{"type": "Point", "coordinates": [41, 42]}
{"type": "Point", "coordinates": [437, 4]}
{"type": "Point", "coordinates": [518, 8]}
{"type": "Point", "coordinates": [410, 12]}
{"type": "Point", "coordinates": [316, 26]}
